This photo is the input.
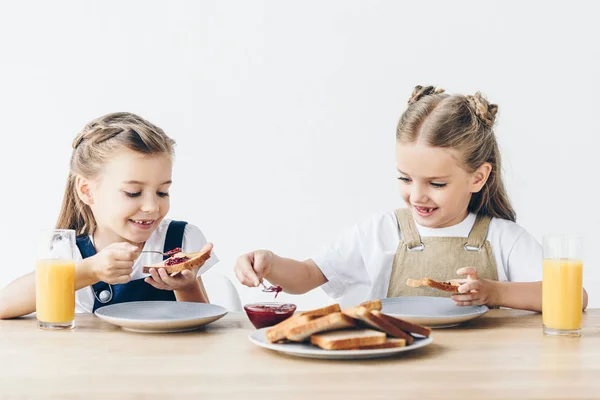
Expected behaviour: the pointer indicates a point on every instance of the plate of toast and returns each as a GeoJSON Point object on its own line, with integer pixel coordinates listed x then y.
{"type": "Point", "coordinates": [359, 332]}
{"type": "Point", "coordinates": [434, 312]}
{"type": "Point", "coordinates": [160, 316]}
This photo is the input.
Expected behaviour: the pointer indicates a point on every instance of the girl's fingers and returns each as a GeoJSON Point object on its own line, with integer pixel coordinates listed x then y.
{"type": "Point", "coordinates": [260, 264]}
{"type": "Point", "coordinates": [156, 276]}
{"type": "Point", "coordinates": [464, 303]}
{"type": "Point", "coordinates": [471, 272]}
{"type": "Point", "coordinates": [465, 297]}
{"type": "Point", "coordinates": [469, 299]}
{"type": "Point", "coordinates": [167, 280]}
{"type": "Point", "coordinates": [245, 273]}
{"type": "Point", "coordinates": [469, 286]}
{"type": "Point", "coordinates": [152, 282]}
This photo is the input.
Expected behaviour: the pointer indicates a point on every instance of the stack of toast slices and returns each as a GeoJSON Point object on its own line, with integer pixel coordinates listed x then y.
{"type": "Point", "coordinates": [360, 327]}
{"type": "Point", "coordinates": [193, 260]}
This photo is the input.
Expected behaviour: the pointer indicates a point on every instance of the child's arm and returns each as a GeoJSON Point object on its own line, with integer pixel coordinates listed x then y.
{"type": "Point", "coordinates": [295, 277]}
{"type": "Point", "coordinates": [518, 295]}
{"type": "Point", "coordinates": [113, 265]}
{"type": "Point", "coordinates": [195, 293]}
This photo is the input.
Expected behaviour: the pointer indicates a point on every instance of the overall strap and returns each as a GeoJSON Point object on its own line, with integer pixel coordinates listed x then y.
{"type": "Point", "coordinates": [174, 236]}
{"type": "Point", "coordinates": [408, 229]}
{"type": "Point", "coordinates": [86, 248]}
{"type": "Point", "coordinates": [478, 233]}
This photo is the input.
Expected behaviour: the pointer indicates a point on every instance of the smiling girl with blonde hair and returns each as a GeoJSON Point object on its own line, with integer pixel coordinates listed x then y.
{"type": "Point", "coordinates": [116, 199]}
{"type": "Point", "coordinates": [458, 220]}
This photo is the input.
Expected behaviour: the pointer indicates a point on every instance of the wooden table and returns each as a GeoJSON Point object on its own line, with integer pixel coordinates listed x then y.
{"type": "Point", "coordinates": [502, 355]}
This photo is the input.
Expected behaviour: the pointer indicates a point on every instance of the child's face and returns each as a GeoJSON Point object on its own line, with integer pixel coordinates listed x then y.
{"type": "Point", "coordinates": [434, 184]}
{"type": "Point", "coordinates": [130, 197]}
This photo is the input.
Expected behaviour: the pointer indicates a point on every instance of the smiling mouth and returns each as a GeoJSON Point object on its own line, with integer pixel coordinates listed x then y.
{"type": "Point", "coordinates": [142, 222]}
{"type": "Point", "coordinates": [425, 210]}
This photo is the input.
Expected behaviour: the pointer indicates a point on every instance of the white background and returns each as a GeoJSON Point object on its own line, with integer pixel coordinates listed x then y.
{"type": "Point", "coordinates": [285, 112]}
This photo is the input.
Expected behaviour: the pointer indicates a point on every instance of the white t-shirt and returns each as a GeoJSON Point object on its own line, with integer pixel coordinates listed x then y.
{"type": "Point", "coordinates": [193, 240]}
{"type": "Point", "coordinates": [361, 259]}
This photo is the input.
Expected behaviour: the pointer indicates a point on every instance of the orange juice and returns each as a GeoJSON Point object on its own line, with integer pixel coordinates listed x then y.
{"type": "Point", "coordinates": [562, 292]}
{"type": "Point", "coordinates": [55, 291]}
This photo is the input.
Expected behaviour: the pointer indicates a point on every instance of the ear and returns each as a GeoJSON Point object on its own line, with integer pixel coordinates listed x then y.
{"type": "Point", "coordinates": [84, 190]}
{"type": "Point", "coordinates": [480, 177]}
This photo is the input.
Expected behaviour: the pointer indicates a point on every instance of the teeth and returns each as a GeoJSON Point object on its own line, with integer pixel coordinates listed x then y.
{"type": "Point", "coordinates": [143, 222]}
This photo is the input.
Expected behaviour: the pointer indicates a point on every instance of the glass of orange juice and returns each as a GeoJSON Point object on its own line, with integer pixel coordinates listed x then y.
{"type": "Point", "coordinates": [562, 285]}
{"type": "Point", "coordinates": [55, 280]}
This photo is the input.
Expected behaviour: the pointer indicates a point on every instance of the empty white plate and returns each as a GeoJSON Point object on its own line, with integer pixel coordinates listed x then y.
{"type": "Point", "coordinates": [160, 316]}
{"type": "Point", "coordinates": [434, 312]}
{"type": "Point", "coordinates": [307, 350]}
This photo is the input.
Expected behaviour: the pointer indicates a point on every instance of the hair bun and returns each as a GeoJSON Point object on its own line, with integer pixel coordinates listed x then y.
{"type": "Point", "coordinates": [485, 111]}
{"type": "Point", "coordinates": [421, 91]}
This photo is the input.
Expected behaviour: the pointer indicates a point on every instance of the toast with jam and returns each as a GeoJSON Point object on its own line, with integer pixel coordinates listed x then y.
{"type": "Point", "coordinates": [450, 286]}
{"type": "Point", "coordinates": [181, 261]}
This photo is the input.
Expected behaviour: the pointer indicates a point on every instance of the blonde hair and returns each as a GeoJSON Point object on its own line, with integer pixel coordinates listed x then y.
{"type": "Point", "coordinates": [464, 123]}
{"type": "Point", "coordinates": [99, 141]}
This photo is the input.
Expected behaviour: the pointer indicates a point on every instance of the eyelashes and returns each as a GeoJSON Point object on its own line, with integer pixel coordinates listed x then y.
{"type": "Point", "coordinates": [137, 194]}
{"type": "Point", "coordinates": [436, 185]}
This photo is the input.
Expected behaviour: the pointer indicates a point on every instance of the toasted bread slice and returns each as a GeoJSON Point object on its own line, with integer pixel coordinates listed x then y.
{"type": "Point", "coordinates": [388, 344]}
{"type": "Point", "coordinates": [450, 286]}
{"type": "Point", "coordinates": [348, 339]}
{"type": "Point", "coordinates": [403, 325]}
{"type": "Point", "coordinates": [361, 308]}
{"type": "Point", "coordinates": [278, 333]}
{"type": "Point", "coordinates": [195, 260]}
{"type": "Point", "coordinates": [329, 322]}
{"type": "Point", "coordinates": [376, 322]}
{"type": "Point", "coordinates": [319, 312]}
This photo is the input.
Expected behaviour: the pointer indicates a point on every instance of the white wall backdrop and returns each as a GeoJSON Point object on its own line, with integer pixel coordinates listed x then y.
{"type": "Point", "coordinates": [285, 112]}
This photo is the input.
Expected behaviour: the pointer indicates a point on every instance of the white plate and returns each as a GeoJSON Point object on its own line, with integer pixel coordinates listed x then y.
{"type": "Point", "coordinates": [434, 312]}
{"type": "Point", "coordinates": [160, 316]}
{"type": "Point", "coordinates": [309, 351]}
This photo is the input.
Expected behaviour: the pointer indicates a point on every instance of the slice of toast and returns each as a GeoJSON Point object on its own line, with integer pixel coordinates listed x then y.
{"type": "Point", "coordinates": [319, 312]}
{"type": "Point", "coordinates": [330, 322]}
{"type": "Point", "coordinates": [388, 344]}
{"type": "Point", "coordinates": [278, 332]}
{"type": "Point", "coordinates": [348, 339]}
{"type": "Point", "coordinates": [361, 308]}
{"type": "Point", "coordinates": [195, 260]}
{"type": "Point", "coordinates": [374, 321]}
{"type": "Point", "coordinates": [450, 286]}
{"type": "Point", "coordinates": [403, 325]}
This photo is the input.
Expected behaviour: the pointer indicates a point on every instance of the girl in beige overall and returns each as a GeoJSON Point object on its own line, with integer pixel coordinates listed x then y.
{"type": "Point", "coordinates": [458, 220]}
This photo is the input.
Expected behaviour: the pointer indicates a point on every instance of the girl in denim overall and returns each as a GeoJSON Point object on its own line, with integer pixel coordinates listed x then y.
{"type": "Point", "coordinates": [116, 199]}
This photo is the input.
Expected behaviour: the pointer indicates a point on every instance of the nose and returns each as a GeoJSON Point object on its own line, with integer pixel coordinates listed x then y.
{"type": "Point", "coordinates": [150, 204]}
{"type": "Point", "coordinates": [418, 194]}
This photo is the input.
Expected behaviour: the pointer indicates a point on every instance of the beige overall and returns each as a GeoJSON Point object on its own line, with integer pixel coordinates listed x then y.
{"type": "Point", "coordinates": [438, 258]}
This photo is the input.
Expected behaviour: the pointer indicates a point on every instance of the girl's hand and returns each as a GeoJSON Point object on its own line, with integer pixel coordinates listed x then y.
{"type": "Point", "coordinates": [477, 291]}
{"type": "Point", "coordinates": [183, 280]}
{"type": "Point", "coordinates": [251, 268]}
{"type": "Point", "coordinates": [114, 263]}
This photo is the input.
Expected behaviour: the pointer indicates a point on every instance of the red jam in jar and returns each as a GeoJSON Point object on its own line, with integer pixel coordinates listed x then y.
{"type": "Point", "coordinates": [268, 314]}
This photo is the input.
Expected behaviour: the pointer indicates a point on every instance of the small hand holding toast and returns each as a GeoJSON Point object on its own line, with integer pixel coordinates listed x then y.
{"type": "Point", "coordinates": [182, 261]}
